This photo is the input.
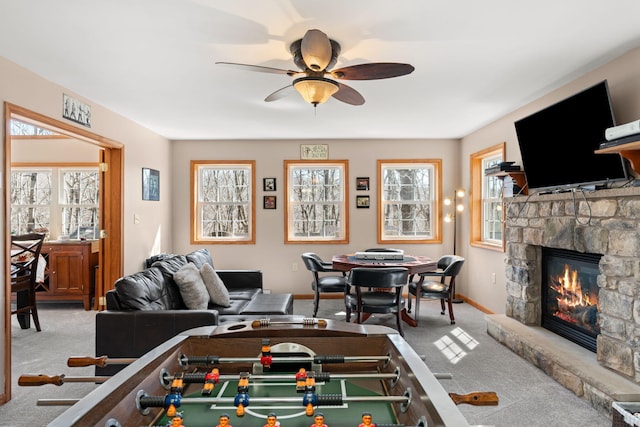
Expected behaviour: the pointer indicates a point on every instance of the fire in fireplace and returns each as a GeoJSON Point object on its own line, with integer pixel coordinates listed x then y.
{"type": "Point", "coordinates": [570, 295]}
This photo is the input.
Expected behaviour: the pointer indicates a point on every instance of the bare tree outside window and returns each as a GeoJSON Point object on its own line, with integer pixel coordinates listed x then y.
{"type": "Point", "coordinates": [225, 198]}
{"type": "Point", "coordinates": [316, 201]}
{"type": "Point", "coordinates": [408, 200]}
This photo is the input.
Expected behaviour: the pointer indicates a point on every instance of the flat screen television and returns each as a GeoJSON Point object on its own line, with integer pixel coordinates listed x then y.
{"type": "Point", "coordinates": [558, 143]}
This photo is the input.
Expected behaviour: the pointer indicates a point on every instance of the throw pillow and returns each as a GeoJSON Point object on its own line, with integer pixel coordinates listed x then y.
{"type": "Point", "coordinates": [216, 288]}
{"type": "Point", "coordinates": [191, 286]}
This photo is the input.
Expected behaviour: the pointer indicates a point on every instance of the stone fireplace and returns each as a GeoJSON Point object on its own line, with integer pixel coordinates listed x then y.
{"type": "Point", "coordinates": [604, 222]}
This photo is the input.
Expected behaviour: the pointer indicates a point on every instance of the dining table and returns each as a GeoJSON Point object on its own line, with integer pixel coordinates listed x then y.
{"type": "Point", "coordinates": [415, 264]}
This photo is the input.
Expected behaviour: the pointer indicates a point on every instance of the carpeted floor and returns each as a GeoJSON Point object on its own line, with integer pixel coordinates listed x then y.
{"type": "Point", "coordinates": [528, 397]}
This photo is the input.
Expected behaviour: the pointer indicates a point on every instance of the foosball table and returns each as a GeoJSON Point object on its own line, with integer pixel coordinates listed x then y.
{"type": "Point", "coordinates": [293, 373]}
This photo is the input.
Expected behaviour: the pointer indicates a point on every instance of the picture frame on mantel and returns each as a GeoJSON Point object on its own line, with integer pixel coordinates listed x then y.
{"type": "Point", "coordinates": [150, 184]}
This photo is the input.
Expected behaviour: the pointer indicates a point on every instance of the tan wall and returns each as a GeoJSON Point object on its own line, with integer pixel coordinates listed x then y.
{"type": "Point", "coordinates": [270, 254]}
{"type": "Point", "coordinates": [143, 148]}
{"type": "Point", "coordinates": [623, 76]}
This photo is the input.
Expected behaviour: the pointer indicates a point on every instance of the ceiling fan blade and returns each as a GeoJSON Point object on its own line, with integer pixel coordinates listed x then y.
{"type": "Point", "coordinates": [279, 94]}
{"type": "Point", "coordinates": [316, 50]}
{"type": "Point", "coordinates": [260, 68]}
{"type": "Point", "coordinates": [348, 95]}
{"type": "Point", "coordinates": [372, 71]}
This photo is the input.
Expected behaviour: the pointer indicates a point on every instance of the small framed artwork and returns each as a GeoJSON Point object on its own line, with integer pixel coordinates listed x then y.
{"type": "Point", "coordinates": [269, 202]}
{"type": "Point", "coordinates": [76, 111]}
{"type": "Point", "coordinates": [150, 184]}
{"type": "Point", "coordinates": [269, 184]}
{"type": "Point", "coordinates": [314, 151]}
{"type": "Point", "coordinates": [362, 183]}
{"type": "Point", "coordinates": [362, 202]}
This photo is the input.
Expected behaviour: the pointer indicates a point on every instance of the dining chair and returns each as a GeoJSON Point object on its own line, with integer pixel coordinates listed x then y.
{"type": "Point", "coordinates": [378, 290]}
{"type": "Point", "coordinates": [25, 254]}
{"type": "Point", "coordinates": [443, 288]}
{"type": "Point", "coordinates": [322, 282]}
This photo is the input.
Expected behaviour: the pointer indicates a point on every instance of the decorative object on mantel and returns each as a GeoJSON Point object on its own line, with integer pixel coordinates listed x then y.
{"type": "Point", "coordinates": [76, 111]}
{"type": "Point", "coordinates": [150, 184]}
{"type": "Point", "coordinates": [314, 151]}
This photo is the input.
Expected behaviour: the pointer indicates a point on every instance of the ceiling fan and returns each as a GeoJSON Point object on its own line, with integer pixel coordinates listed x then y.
{"type": "Point", "coordinates": [315, 54]}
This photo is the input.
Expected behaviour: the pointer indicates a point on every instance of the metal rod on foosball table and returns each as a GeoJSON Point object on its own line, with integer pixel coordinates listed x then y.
{"type": "Point", "coordinates": [214, 360]}
{"type": "Point", "coordinates": [57, 402]}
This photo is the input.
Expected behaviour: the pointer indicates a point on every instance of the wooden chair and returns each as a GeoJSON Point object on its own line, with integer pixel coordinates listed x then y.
{"type": "Point", "coordinates": [25, 254]}
{"type": "Point", "coordinates": [329, 283]}
{"type": "Point", "coordinates": [377, 290]}
{"type": "Point", "coordinates": [444, 289]}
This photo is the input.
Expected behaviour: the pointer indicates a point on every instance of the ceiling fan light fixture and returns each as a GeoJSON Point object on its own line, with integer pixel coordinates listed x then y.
{"type": "Point", "coordinates": [315, 90]}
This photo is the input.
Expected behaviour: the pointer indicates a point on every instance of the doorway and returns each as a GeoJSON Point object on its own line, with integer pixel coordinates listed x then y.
{"type": "Point", "coordinates": [110, 258]}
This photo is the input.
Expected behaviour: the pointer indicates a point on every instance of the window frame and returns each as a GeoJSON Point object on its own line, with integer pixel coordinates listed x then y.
{"type": "Point", "coordinates": [436, 195]}
{"type": "Point", "coordinates": [289, 166]}
{"type": "Point", "coordinates": [196, 237]}
{"type": "Point", "coordinates": [478, 202]}
{"type": "Point", "coordinates": [56, 205]}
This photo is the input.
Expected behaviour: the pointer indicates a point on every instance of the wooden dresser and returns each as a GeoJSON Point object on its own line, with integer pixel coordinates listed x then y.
{"type": "Point", "coordinates": [70, 271]}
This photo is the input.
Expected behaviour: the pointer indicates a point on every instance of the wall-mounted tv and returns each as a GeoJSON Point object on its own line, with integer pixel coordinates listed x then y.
{"type": "Point", "coordinates": [557, 144]}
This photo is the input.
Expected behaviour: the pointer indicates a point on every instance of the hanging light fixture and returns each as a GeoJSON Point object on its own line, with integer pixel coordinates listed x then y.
{"type": "Point", "coordinates": [315, 90]}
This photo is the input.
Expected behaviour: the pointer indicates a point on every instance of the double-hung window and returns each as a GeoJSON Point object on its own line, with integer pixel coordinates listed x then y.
{"type": "Point", "coordinates": [223, 200]}
{"type": "Point", "coordinates": [316, 201]}
{"type": "Point", "coordinates": [486, 202]}
{"type": "Point", "coordinates": [58, 201]}
{"type": "Point", "coordinates": [408, 191]}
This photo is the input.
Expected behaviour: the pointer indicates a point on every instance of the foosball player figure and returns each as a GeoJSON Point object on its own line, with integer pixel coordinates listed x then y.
{"type": "Point", "coordinates": [318, 420]}
{"type": "Point", "coordinates": [267, 358]}
{"type": "Point", "coordinates": [177, 385]}
{"type": "Point", "coordinates": [366, 420]}
{"type": "Point", "coordinates": [242, 398]}
{"type": "Point", "coordinates": [301, 380]}
{"type": "Point", "coordinates": [223, 421]}
{"type": "Point", "coordinates": [310, 398]}
{"type": "Point", "coordinates": [210, 380]}
{"type": "Point", "coordinates": [176, 421]}
{"type": "Point", "coordinates": [272, 420]}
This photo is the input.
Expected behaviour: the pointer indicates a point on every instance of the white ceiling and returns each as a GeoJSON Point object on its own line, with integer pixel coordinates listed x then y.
{"type": "Point", "coordinates": [153, 60]}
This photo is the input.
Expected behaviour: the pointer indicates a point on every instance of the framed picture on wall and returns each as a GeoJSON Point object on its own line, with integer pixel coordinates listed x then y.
{"type": "Point", "coordinates": [150, 184]}
{"type": "Point", "coordinates": [269, 184]}
{"type": "Point", "coordinates": [362, 183]}
{"type": "Point", "coordinates": [269, 202]}
{"type": "Point", "coordinates": [362, 202]}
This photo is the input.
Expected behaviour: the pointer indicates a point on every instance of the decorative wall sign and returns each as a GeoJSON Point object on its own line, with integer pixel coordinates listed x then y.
{"type": "Point", "coordinates": [150, 184]}
{"type": "Point", "coordinates": [314, 151]}
{"type": "Point", "coordinates": [76, 111]}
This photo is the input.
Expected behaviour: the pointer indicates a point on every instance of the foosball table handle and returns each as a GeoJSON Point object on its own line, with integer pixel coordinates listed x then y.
{"type": "Point", "coordinates": [479, 398]}
{"type": "Point", "coordinates": [37, 380]}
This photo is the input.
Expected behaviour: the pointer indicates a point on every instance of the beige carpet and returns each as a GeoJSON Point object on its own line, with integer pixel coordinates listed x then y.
{"type": "Point", "coordinates": [528, 397]}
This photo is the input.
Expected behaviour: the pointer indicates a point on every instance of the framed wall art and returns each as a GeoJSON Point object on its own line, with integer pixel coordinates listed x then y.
{"type": "Point", "coordinates": [76, 111]}
{"type": "Point", "coordinates": [314, 151]}
{"type": "Point", "coordinates": [269, 184]}
{"type": "Point", "coordinates": [362, 183]}
{"type": "Point", "coordinates": [269, 202]}
{"type": "Point", "coordinates": [150, 184]}
{"type": "Point", "coordinates": [362, 202]}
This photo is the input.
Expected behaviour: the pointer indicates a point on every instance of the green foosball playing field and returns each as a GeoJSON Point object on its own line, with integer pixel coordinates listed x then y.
{"type": "Point", "coordinates": [268, 397]}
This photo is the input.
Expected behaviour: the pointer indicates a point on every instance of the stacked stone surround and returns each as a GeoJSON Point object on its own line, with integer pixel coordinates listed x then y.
{"type": "Point", "coordinates": [603, 222]}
